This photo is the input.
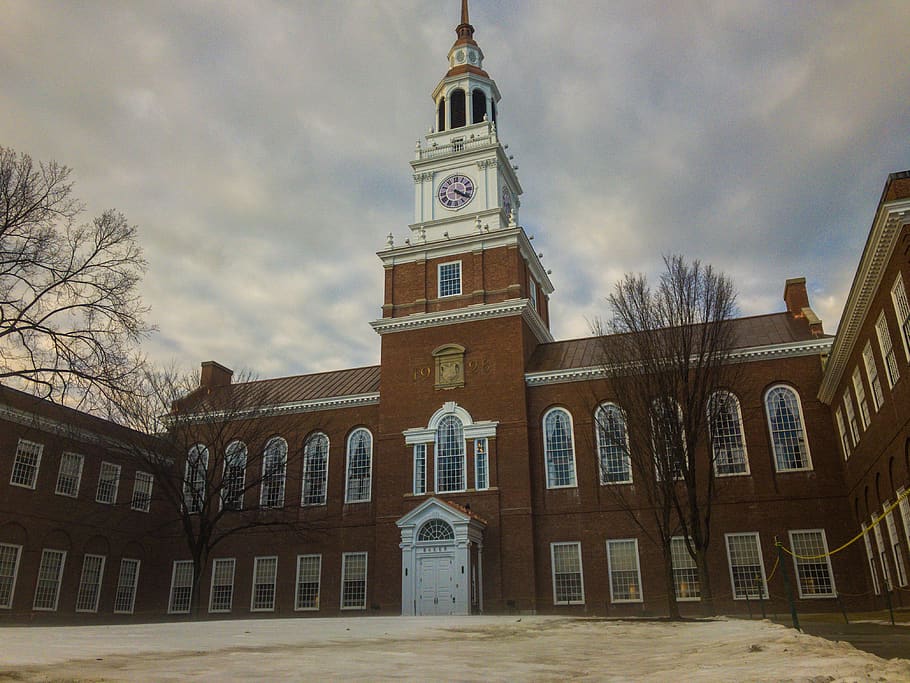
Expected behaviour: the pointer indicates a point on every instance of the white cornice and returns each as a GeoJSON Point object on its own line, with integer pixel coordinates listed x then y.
{"type": "Point", "coordinates": [312, 405]}
{"type": "Point", "coordinates": [47, 424]}
{"type": "Point", "coordinates": [886, 229]}
{"type": "Point", "coordinates": [504, 309]}
{"type": "Point", "coordinates": [812, 347]}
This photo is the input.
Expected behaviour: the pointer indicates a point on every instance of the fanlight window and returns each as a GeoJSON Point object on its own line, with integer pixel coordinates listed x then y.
{"type": "Point", "coordinates": [436, 530]}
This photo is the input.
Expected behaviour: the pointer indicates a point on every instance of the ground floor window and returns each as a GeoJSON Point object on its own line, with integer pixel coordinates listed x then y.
{"type": "Point", "coordinates": [125, 598]}
{"type": "Point", "coordinates": [90, 583]}
{"type": "Point", "coordinates": [685, 571]}
{"type": "Point", "coordinates": [265, 573]}
{"type": "Point", "coordinates": [870, 556]}
{"type": "Point", "coordinates": [899, 568]}
{"type": "Point", "coordinates": [882, 555]}
{"type": "Point", "coordinates": [181, 587]}
{"type": "Point", "coordinates": [625, 574]}
{"type": "Point", "coordinates": [50, 571]}
{"type": "Point", "coordinates": [221, 596]}
{"type": "Point", "coordinates": [9, 567]}
{"type": "Point", "coordinates": [568, 583]}
{"type": "Point", "coordinates": [354, 581]}
{"type": "Point", "coordinates": [309, 571]}
{"type": "Point", "coordinates": [747, 570]}
{"type": "Point", "coordinates": [812, 564]}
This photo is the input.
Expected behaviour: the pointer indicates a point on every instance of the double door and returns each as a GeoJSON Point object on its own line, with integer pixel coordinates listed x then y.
{"type": "Point", "coordinates": [436, 588]}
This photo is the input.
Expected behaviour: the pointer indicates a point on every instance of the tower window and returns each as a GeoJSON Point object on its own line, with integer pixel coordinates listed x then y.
{"type": "Point", "coordinates": [450, 279]}
{"type": "Point", "coordinates": [457, 111]}
{"type": "Point", "coordinates": [478, 105]}
{"type": "Point", "coordinates": [441, 115]}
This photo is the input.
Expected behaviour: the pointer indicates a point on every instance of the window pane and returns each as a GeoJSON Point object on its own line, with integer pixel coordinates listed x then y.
{"type": "Point", "coordinates": [90, 583]}
{"type": "Point", "coordinates": [50, 571]}
{"type": "Point", "coordinates": [315, 469]}
{"type": "Point", "coordinates": [274, 470]}
{"type": "Point", "coordinates": [450, 279]}
{"type": "Point", "coordinates": [222, 595]}
{"type": "Point", "coordinates": [265, 573]}
{"type": "Point", "coordinates": [727, 441]}
{"type": "Point", "coordinates": [558, 449]}
{"type": "Point", "coordinates": [567, 574]}
{"type": "Point", "coordinates": [612, 445]}
{"type": "Point", "coordinates": [234, 481]}
{"type": "Point", "coordinates": [9, 566]}
{"type": "Point", "coordinates": [309, 568]}
{"type": "Point", "coordinates": [197, 461]}
{"type": "Point", "coordinates": [481, 465]}
{"type": "Point", "coordinates": [420, 468]}
{"type": "Point", "coordinates": [685, 571]}
{"type": "Point", "coordinates": [126, 586]}
{"type": "Point", "coordinates": [354, 581]}
{"type": "Point", "coordinates": [25, 466]}
{"type": "Point", "coordinates": [625, 579]}
{"type": "Point", "coordinates": [181, 587]}
{"type": "Point", "coordinates": [746, 568]}
{"type": "Point", "coordinates": [787, 436]}
{"type": "Point", "coordinates": [360, 449]}
{"type": "Point", "coordinates": [450, 455]}
{"type": "Point", "coordinates": [813, 570]}
{"type": "Point", "coordinates": [142, 492]}
{"type": "Point", "coordinates": [70, 475]}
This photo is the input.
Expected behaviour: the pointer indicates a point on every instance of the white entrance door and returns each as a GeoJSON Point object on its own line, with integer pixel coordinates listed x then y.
{"type": "Point", "coordinates": [435, 585]}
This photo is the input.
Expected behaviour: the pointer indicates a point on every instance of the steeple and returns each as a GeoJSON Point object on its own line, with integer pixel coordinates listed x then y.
{"type": "Point", "coordinates": [465, 55]}
{"type": "Point", "coordinates": [464, 30]}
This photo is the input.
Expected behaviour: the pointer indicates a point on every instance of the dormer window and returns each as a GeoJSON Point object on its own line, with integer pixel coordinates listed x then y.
{"type": "Point", "coordinates": [449, 279]}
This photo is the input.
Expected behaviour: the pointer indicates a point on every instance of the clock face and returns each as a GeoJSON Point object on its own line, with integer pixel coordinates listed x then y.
{"type": "Point", "coordinates": [455, 191]}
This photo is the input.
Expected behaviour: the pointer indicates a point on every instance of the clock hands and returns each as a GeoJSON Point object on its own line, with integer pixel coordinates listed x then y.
{"type": "Point", "coordinates": [460, 193]}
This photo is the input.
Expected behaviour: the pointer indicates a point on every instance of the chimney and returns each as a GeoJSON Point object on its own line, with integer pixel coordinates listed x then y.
{"type": "Point", "coordinates": [214, 375]}
{"type": "Point", "coordinates": [797, 299]}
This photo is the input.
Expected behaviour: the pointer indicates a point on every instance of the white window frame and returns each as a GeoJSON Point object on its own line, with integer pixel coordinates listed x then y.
{"type": "Point", "coordinates": [882, 555]}
{"type": "Point", "coordinates": [345, 566]}
{"type": "Point", "coordinates": [870, 556]}
{"type": "Point", "coordinates": [852, 422]}
{"type": "Point", "coordinates": [219, 582]}
{"type": "Point", "coordinates": [601, 438]}
{"type": "Point", "coordinates": [308, 499]}
{"type": "Point", "coordinates": [195, 478]}
{"type": "Point", "coordinates": [842, 432]}
{"type": "Point", "coordinates": [901, 312]}
{"type": "Point", "coordinates": [861, 401]}
{"type": "Point", "coordinates": [894, 538]}
{"type": "Point", "coordinates": [573, 471]}
{"type": "Point", "coordinates": [797, 562]}
{"type": "Point", "coordinates": [123, 586]}
{"type": "Point", "coordinates": [57, 580]}
{"type": "Point", "coordinates": [613, 598]}
{"type": "Point", "coordinates": [554, 573]}
{"type": "Point", "coordinates": [32, 468]}
{"type": "Point", "coordinates": [171, 603]}
{"type": "Point", "coordinates": [142, 494]}
{"type": "Point", "coordinates": [729, 396]}
{"type": "Point", "coordinates": [76, 476]}
{"type": "Point", "coordinates": [679, 551]}
{"type": "Point", "coordinates": [885, 345]}
{"type": "Point", "coordinates": [875, 383]}
{"type": "Point", "coordinates": [481, 464]}
{"type": "Point", "coordinates": [235, 453]}
{"type": "Point", "coordinates": [348, 497]}
{"type": "Point", "coordinates": [761, 563]}
{"type": "Point", "coordinates": [93, 590]}
{"type": "Point", "coordinates": [420, 469]}
{"type": "Point", "coordinates": [258, 562]}
{"type": "Point", "coordinates": [439, 268]}
{"type": "Point", "coordinates": [17, 549]}
{"type": "Point", "coordinates": [298, 583]}
{"type": "Point", "coordinates": [110, 469]}
{"type": "Point", "coordinates": [459, 458]}
{"type": "Point", "coordinates": [802, 423]}
{"type": "Point", "coordinates": [274, 446]}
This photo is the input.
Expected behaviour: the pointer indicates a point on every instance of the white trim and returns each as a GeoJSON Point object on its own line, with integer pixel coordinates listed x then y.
{"type": "Point", "coordinates": [279, 441]}
{"type": "Point", "coordinates": [12, 589]}
{"type": "Point", "coordinates": [641, 591]}
{"type": "Point", "coordinates": [85, 558]}
{"type": "Point", "coordinates": [344, 567]}
{"type": "Point", "coordinates": [581, 572]}
{"type": "Point", "coordinates": [742, 435]}
{"type": "Point", "coordinates": [325, 486]}
{"type": "Point", "coordinates": [74, 494]}
{"type": "Point", "coordinates": [58, 580]}
{"type": "Point", "coordinates": [116, 469]}
{"type": "Point", "coordinates": [543, 424]}
{"type": "Point", "coordinates": [598, 427]}
{"type": "Point", "coordinates": [233, 563]}
{"type": "Point", "coordinates": [802, 424]}
{"type": "Point", "coordinates": [274, 584]}
{"type": "Point", "coordinates": [799, 584]}
{"type": "Point", "coordinates": [297, 607]}
{"type": "Point", "coordinates": [347, 469]}
{"type": "Point", "coordinates": [439, 268]}
{"type": "Point", "coordinates": [37, 465]}
{"type": "Point", "coordinates": [309, 406]}
{"type": "Point", "coordinates": [170, 601]}
{"type": "Point", "coordinates": [132, 587]}
{"type": "Point", "coordinates": [761, 564]}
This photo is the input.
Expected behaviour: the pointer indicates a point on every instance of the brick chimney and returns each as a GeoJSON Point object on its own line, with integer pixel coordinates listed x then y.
{"type": "Point", "coordinates": [214, 375]}
{"type": "Point", "coordinates": [797, 299]}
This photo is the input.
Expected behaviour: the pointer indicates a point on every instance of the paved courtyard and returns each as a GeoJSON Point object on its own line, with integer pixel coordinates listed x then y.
{"type": "Point", "coordinates": [496, 648]}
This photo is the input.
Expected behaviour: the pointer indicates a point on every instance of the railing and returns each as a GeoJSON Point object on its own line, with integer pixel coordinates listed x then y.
{"type": "Point", "coordinates": [456, 146]}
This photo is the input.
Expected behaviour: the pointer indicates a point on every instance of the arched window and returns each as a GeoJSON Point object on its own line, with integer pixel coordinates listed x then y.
{"type": "Point", "coordinates": [197, 462]}
{"type": "Point", "coordinates": [785, 422]}
{"type": "Point", "coordinates": [669, 438]}
{"type": "Point", "coordinates": [360, 466]}
{"type": "Point", "coordinates": [436, 530]}
{"type": "Point", "coordinates": [728, 446]}
{"type": "Point", "coordinates": [274, 469]}
{"type": "Point", "coordinates": [441, 115]}
{"type": "Point", "coordinates": [234, 480]}
{"type": "Point", "coordinates": [478, 105]}
{"type": "Point", "coordinates": [612, 444]}
{"type": "Point", "coordinates": [559, 448]}
{"type": "Point", "coordinates": [450, 455]}
{"type": "Point", "coordinates": [457, 109]}
{"type": "Point", "coordinates": [315, 469]}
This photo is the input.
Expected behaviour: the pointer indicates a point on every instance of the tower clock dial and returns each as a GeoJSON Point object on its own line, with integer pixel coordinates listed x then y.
{"type": "Point", "coordinates": [455, 191]}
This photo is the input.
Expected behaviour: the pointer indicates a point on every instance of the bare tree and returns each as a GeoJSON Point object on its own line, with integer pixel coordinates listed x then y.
{"type": "Point", "coordinates": [666, 354]}
{"type": "Point", "coordinates": [219, 469]}
{"type": "Point", "coordinates": [70, 312]}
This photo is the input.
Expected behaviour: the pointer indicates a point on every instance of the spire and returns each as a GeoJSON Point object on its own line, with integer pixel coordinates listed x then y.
{"type": "Point", "coordinates": [464, 30]}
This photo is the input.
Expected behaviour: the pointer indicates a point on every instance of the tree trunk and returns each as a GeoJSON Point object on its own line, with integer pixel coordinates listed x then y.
{"type": "Point", "coordinates": [708, 608]}
{"type": "Point", "coordinates": [672, 604]}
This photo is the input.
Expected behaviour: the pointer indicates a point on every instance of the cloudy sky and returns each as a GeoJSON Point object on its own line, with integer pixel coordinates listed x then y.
{"type": "Point", "coordinates": [262, 147]}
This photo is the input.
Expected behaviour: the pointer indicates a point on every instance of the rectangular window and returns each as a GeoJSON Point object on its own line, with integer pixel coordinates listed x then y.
{"type": "Point", "coordinates": [888, 356]}
{"type": "Point", "coordinates": [108, 483]}
{"type": "Point", "coordinates": [125, 599]}
{"type": "Point", "coordinates": [811, 563]}
{"type": "Point", "coordinates": [181, 587]}
{"type": "Point", "coordinates": [899, 567]}
{"type": "Point", "coordinates": [532, 291]}
{"type": "Point", "coordinates": [568, 583]}
{"type": "Point", "coordinates": [142, 492]}
{"type": "Point", "coordinates": [870, 556]}
{"type": "Point", "coordinates": [481, 465]}
{"type": "Point", "coordinates": [70, 475]}
{"type": "Point", "coordinates": [860, 392]}
{"type": "Point", "coordinates": [354, 581]}
{"type": "Point", "coordinates": [265, 574]}
{"type": "Point", "coordinates": [902, 312]}
{"type": "Point", "coordinates": [882, 555]}
{"type": "Point", "coordinates": [842, 431]}
{"type": "Point", "coordinates": [50, 571]}
{"type": "Point", "coordinates": [449, 278]}
{"type": "Point", "coordinates": [221, 596]}
{"type": "Point", "coordinates": [625, 575]}
{"type": "Point", "coordinates": [90, 583]}
{"type": "Point", "coordinates": [25, 466]}
{"type": "Point", "coordinates": [685, 571]}
{"type": "Point", "coordinates": [851, 418]}
{"type": "Point", "coordinates": [9, 568]}
{"type": "Point", "coordinates": [420, 469]}
{"type": "Point", "coordinates": [878, 398]}
{"type": "Point", "coordinates": [309, 572]}
{"type": "Point", "coordinates": [747, 569]}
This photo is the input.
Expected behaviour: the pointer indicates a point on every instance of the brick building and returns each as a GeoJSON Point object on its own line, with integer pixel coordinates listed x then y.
{"type": "Point", "coordinates": [466, 472]}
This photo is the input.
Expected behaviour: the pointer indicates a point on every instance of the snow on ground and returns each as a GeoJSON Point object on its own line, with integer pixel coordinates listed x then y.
{"type": "Point", "coordinates": [495, 648]}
